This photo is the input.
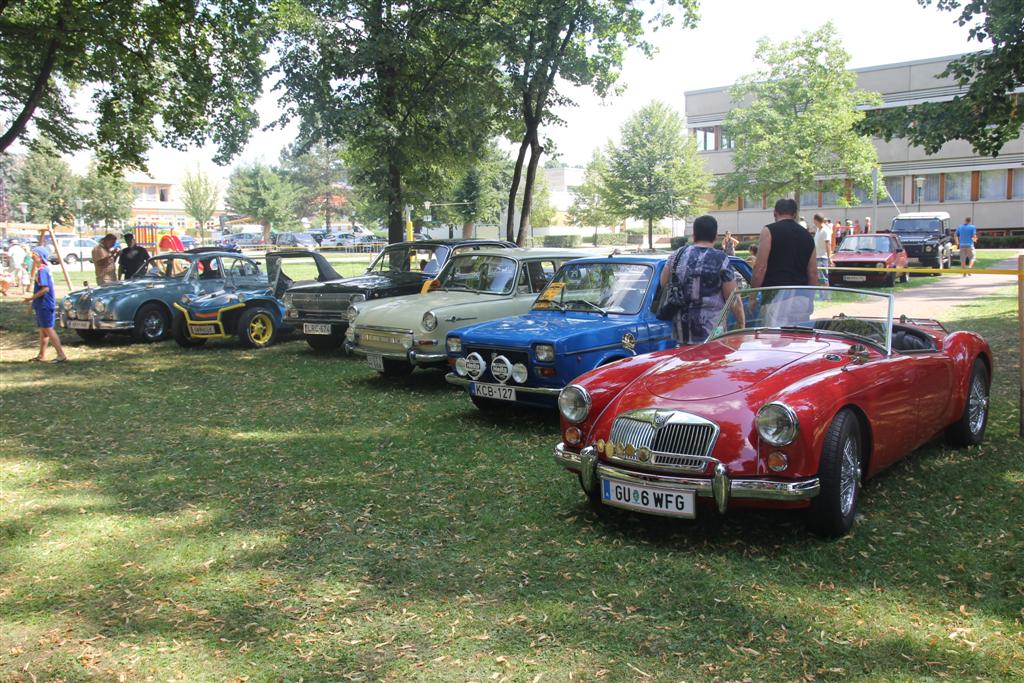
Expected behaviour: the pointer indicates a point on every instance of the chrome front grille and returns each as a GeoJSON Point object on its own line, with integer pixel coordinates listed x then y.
{"type": "Point", "coordinates": [312, 302]}
{"type": "Point", "coordinates": [675, 440]}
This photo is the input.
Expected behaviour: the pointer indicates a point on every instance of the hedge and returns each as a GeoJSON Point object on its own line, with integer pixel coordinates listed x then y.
{"type": "Point", "coordinates": [1001, 242]}
{"type": "Point", "coordinates": [563, 241]}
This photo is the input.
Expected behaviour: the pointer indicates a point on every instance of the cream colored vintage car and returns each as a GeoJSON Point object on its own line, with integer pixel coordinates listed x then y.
{"type": "Point", "coordinates": [401, 333]}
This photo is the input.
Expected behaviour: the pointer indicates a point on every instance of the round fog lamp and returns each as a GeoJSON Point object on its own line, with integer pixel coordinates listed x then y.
{"type": "Point", "coordinates": [777, 461]}
{"type": "Point", "coordinates": [519, 373]}
{"type": "Point", "coordinates": [609, 449]}
{"type": "Point", "coordinates": [501, 369]}
{"type": "Point", "coordinates": [475, 365]}
{"type": "Point", "coordinates": [99, 306]}
{"type": "Point", "coordinates": [573, 435]}
{"type": "Point", "coordinates": [644, 454]}
{"type": "Point", "coordinates": [600, 445]}
{"type": "Point", "coordinates": [460, 367]}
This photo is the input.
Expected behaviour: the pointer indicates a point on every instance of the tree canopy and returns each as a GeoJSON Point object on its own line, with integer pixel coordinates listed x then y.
{"type": "Point", "coordinates": [795, 129]}
{"type": "Point", "coordinates": [178, 73]}
{"type": "Point", "coordinates": [45, 182]}
{"type": "Point", "coordinates": [654, 171]}
{"type": "Point", "coordinates": [107, 197]}
{"type": "Point", "coordinates": [264, 194]}
{"type": "Point", "coordinates": [989, 114]}
{"type": "Point", "coordinates": [199, 194]}
{"type": "Point", "coordinates": [319, 171]}
{"type": "Point", "coordinates": [592, 203]}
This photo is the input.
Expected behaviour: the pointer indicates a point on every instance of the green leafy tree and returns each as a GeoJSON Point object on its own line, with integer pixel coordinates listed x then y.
{"type": "Point", "coordinates": [548, 43]}
{"type": "Point", "coordinates": [592, 205]}
{"type": "Point", "coordinates": [107, 198]}
{"type": "Point", "coordinates": [177, 72]}
{"type": "Point", "coordinates": [265, 195]}
{"type": "Point", "coordinates": [45, 182]}
{"type": "Point", "coordinates": [319, 172]}
{"type": "Point", "coordinates": [410, 88]}
{"type": "Point", "coordinates": [990, 113]}
{"type": "Point", "coordinates": [481, 188]}
{"type": "Point", "coordinates": [798, 122]}
{"type": "Point", "coordinates": [654, 171]}
{"type": "Point", "coordinates": [199, 194]}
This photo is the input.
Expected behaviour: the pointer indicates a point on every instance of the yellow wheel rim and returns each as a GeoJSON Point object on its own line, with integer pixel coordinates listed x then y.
{"type": "Point", "coordinates": [260, 328]}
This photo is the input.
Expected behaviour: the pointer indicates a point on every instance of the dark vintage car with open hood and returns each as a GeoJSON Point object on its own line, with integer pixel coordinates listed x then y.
{"type": "Point", "coordinates": [319, 311]}
{"type": "Point", "coordinates": [792, 405]}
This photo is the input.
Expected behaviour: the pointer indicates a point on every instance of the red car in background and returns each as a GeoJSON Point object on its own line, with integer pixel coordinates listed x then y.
{"type": "Point", "coordinates": [878, 251]}
{"type": "Point", "coordinates": [817, 389]}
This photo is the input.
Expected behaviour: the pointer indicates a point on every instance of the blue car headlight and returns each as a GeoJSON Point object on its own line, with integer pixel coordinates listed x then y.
{"type": "Point", "coordinates": [545, 352]}
{"type": "Point", "coordinates": [454, 345]}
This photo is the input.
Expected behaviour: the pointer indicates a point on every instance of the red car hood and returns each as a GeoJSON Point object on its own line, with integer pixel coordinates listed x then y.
{"type": "Point", "coordinates": [720, 368]}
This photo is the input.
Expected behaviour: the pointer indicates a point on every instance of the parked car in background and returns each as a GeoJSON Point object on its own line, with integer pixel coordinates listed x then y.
{"type": "Point", "coordinates": [295, 240]}
{"type": "Point", "coordinates": [401, 333]}
{"type": "Point", "coordinates": [878, 251]}
{"type": "Point", "coordinates": [337, 239]}
{"type": "Point", "coordinates": [817, 390]}
{"type": "Point", "coordinates": [595, 311]}
{"type": "Point", "coordinates": [142, 305]}
{"type": "Point", "coordinates": [255, 317]}
{"type": "Point", "coordinates": [244, 240]}
{"type": "Point", "coordinates": [188, 241]}
{"type": "Point", "coordinates": [927, 236]}
{"type": "Point", "coordinates": [320, 311]}
{"type": "Point", "coordinates": [73, 249]}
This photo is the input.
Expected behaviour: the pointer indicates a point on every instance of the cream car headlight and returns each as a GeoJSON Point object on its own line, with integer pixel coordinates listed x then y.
{"type": "Point", "coordinates": [99, 306]}
{"type": "Point", "coordinates": [454, 345]}
{"type": "Point", "coordinates": [777, 424]}
{"type": "Point", "coordinates": [352, 314]}
{"type": "Point", "coordinates": [574, 403]}
{"type": "Point", "coordinates": [429, 321]}
{"type": "Point", "coordinates": [545, 352]}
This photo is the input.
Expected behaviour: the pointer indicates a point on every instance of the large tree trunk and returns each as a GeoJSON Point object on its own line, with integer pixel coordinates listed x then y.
{"type": "Point", "coordinates": [650, 232]}
{"type": "Point", "coordinates": [517, 174]}
{"type": "Point", "coordinates": [266, 232]}
{"type": "Point", "coordinates": [531, 175]}
{"type": "Point", "coordinates": [468, 230]}
{"type": "Point", "coordinates": [39, 87]}
{"type": "Point", "coordinates": [396, 222]}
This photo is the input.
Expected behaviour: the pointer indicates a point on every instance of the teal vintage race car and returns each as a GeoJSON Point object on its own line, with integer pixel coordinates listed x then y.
{"type": "Point", "coordinates": [256, 317]}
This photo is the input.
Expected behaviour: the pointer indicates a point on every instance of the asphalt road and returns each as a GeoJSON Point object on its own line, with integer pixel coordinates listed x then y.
{"type": "Point", "coordinates": [936, 299]}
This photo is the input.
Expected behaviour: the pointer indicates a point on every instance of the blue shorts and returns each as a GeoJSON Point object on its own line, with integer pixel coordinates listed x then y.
{"type": "Point", "coordinates": [45, 317]}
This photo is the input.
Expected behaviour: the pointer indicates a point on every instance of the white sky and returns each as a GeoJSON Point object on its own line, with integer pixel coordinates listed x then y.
{"type": "Point", "coordinates": [714, 54]}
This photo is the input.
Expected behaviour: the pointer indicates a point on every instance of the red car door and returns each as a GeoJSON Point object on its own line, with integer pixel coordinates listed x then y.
{"type": "Point", "coordinates": [933, 390]}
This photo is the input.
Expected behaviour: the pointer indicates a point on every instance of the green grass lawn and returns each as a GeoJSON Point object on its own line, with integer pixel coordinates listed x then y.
{"type": "Point", "coordinates": [221, 514]}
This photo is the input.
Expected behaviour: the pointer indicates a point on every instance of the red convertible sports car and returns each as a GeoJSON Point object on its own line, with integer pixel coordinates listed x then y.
{"type": "Point", "coordinates": [815, 390]}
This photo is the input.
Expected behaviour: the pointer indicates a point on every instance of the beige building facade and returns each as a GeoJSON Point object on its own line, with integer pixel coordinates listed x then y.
{"type": "Point", "coordinates": [955, 179]}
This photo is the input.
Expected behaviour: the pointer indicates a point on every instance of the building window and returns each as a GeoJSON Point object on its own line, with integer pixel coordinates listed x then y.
{"type": "Point", "coordinates": [993, 185]}
{"type": "Point", "coordinates": [752, 202]}
{"type": "Point", "coordinates": [150, 193]}
{"type": "Point", "coordinates": [894, 188]}
{"type": "Point", "coordinates": [165, 194]}
{"type": "Point", "coordinates": [930, 193]}
{"type": "Point", "coordinates": [705, 139]}
{"type": "Point", "coordinates": [861, 195]}
{"type": "Point", "coordinates": [724, 141]}
{"type": "Point", "coordinates": [830, 198]}
{"type": "Point", "coordinates": [1018, 183]}
{"type": "Point", "coordinates": [809, 199]}
{"type": "Point", "coordinates": [958, 187]}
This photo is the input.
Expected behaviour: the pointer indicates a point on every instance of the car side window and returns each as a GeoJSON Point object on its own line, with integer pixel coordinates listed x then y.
{"type": "Point", "coordinates": [540, 274]}
{"type": "Point", "coordinates": [241, 268]}
{"type": "Point", "coordinates": [210, 269]}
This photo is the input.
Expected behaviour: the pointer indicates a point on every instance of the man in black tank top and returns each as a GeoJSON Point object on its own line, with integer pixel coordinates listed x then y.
{"type": "Point", "coordinates": [785, 252]}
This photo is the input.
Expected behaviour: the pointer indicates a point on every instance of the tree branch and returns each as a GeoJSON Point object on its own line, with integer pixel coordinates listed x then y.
{"type": "Point", "coordinates": [38, 90]}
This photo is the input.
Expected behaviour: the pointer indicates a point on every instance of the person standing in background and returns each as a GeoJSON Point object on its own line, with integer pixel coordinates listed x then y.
{"type": "Point", "coordinates": [822, 247]}
{"type": "Point", "coordinates": [867, 225]}
{"type": "Point", "coordinates": [966, 236]}
{"type": "Point", "coordinates": [132, 257]}
{"type": "Point", "coordinates": [44, 304]}
{"type": "Point", "coordinates": [17, 254]}
{"type": "Point", "coordinates": [104, 258]}
{"type": "Point", "coordinates": [785, 258]}
{"type": "Point", "coordinates": [729, 244]}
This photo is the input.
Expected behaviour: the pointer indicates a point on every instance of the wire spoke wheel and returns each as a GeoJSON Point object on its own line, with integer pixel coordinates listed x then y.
{"type": "Point", "coordinates": [977, 406]}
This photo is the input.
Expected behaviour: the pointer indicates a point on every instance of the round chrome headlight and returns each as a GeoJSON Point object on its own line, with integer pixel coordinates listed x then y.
{"type": "Point", "coordinates": [501, 369]}
{"type": "Point", "coordinates": [429, 321]}
{"type": "Point", "coordinates": [454, 345]}
{"type": "Point", "coordinates": [879, 265]}
{"type": "Point", "coordinates": [545, 352]}
{"type": "Point", "coordinates": [99, 306]}
{"type": "Point", "coordinates": [67, 304]}
{"type": "Point", "coordinates": [929, 248]}
{"type": "Point", "coordinates": [574, 403]}
{"type": "Point", "coordinates": [475, 365]}
{"type": "Point", "coordinates": [519, 373]}
{"type": "Point", "coordinates": [460, 367]}
{"type": "Point", "coordinates": [356, 298]}
{"type": "Point", "coordinates": [185, 298]}
{"type": "Point", "coordinates": [777, 424]}
{"type": "Point", "coordinates": [352, 314]}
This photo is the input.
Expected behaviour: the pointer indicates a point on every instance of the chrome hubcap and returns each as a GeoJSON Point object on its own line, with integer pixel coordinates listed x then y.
{"type": "Point", "coordinates": [977, 405]}
{"type": "Point", "coordinates": [153, 325]}
{"type": "Point", "coordinates": [849, 475]}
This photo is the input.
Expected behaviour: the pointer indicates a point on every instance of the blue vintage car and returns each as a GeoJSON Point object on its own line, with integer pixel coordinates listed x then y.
{"type": "Point", "coordinates": [257, 316]}
{"type": "Point", "coordinates": [142, 306]}
{"type": "Point", "coordinates": [594, 311]}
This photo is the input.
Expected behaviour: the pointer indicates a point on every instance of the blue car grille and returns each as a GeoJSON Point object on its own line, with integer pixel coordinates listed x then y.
{"type": "Point", "coordinates": [488, 353]}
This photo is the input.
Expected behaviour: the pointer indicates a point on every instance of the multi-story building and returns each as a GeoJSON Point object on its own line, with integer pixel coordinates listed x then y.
{"type": "Point", "coordinates": [954, 179]}
{"type": "Point", "coordinates": [158, 202]}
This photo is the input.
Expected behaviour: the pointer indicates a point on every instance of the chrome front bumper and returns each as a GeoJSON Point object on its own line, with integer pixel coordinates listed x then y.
{"type": "Point", "coordinates": [720, 486]}
{"type": "Point", "coordinates": [95, 324]}
{"type": "Point", "coordinates": [455, 379]}
{"type": "Point", "coordinates": [412, 356]}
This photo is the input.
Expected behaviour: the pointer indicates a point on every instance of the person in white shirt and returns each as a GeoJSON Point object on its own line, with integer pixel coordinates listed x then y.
{"type": "Point", "coordinates": [822, 246]}
{"type": "Point", "coordinates": [17, 253]}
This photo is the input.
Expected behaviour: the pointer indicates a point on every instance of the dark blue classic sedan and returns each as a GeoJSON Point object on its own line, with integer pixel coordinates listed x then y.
{"type": "Point", "coordinates": [594, 311]}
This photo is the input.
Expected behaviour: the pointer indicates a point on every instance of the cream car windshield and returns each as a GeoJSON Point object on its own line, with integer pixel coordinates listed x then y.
{"type": "Point", "coordinates": [858, 315]}
{"type": "Point", "coordinates": [599, 287]}
{"type": "Point", "coordinates": [484, 273]}
{"type": "Point", "coordinates": [169, 268]}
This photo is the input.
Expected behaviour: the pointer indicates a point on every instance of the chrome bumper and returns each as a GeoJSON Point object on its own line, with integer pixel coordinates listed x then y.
{"type": "Point", "coordinates": [99, 324]}
{"type": "Point", "coordinates": [412, 356]}
{"type": "Point", "coordinates": [453, 378]}
{"type": "Point", "coordinates": [720, 486]}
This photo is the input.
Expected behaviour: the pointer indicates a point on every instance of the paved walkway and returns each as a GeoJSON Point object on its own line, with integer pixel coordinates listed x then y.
{"type": "Point", "coordinates": [936, 299]}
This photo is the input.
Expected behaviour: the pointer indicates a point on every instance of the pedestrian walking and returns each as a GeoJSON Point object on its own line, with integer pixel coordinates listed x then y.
{"type": "Point", "coordinates": [822, 247]}
{"type": "Point", "coordinates": [785, 258]}
{"type": "Point", "coordinates": [729, 244]}
{"type": "Point", "coordinates": [17, 254]}
{"type": "Point", "coordinates": [966, 236]}
{"type": "Point", "coordinates": [44, 304]}
{"type": "Point", "coordinates": [704, 280]}
{"type": "Point", "coordinates": [104, 259]}
{"type": "Point", "coordinates": [132, 257]}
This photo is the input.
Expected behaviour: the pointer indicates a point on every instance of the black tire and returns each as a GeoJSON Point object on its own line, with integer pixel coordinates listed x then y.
{"type": "Point", "coordinates": [152, 324]}
{"type": "Point", "coordinates": [594, 498]}
{"type": "Point", "coordinates": [181, 335]}
{"type": "Point", "coordinates": [320, 342]}
{"type": "Point", "coordinates": [891, 280]}
{"type": "Point", "coordinates": [70, 259]}
{"type": "Point", "coordinates": [257, 328]}
{"type": "Point", "coordinates": [396, 368]}
{"type": "Point", "coordinates": [833, 510]}
{"type": "Point", "coordinates": [91, 336]}
{"type": "Point", "coordinates": [969, 430]}
{"type": "Point", "coordinates": [487, 405]}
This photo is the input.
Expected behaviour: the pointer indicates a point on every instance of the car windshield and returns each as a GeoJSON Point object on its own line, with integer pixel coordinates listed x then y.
{"type": "Point", "coordinates": [605, 287]}
{"type": "Point", "coordinates": [860, 315]}
{"type": "Point", "coordinates": [408, 257]}
{"type": "Point", "coordinates": [167, 267]}
{"type": "Point", "coordinates": [908, 225]}
{"type": "Point", "coordinates": [879, 243]}
{"type": "Point", "coordinates": [484, 273]}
